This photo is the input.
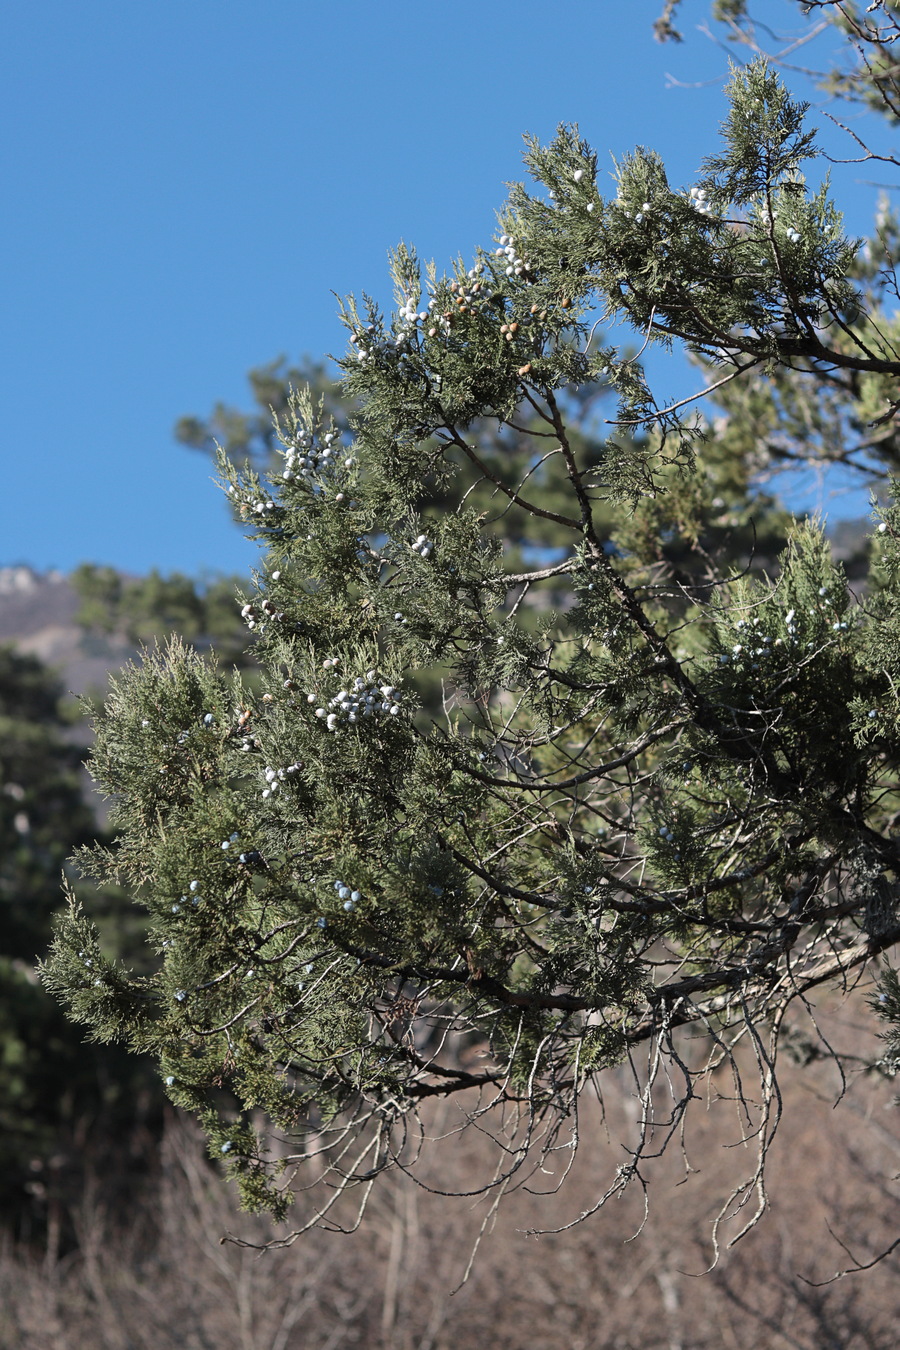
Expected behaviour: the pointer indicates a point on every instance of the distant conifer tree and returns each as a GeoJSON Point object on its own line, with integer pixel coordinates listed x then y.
{"type": "Point", "coordinates": [60, 1100]}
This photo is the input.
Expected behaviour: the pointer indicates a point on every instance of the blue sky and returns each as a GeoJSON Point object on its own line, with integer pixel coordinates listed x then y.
{"type": "Point", "coordinates": [187, 181]}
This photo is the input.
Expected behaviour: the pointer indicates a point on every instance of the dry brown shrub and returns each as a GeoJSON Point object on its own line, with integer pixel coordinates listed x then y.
{"type": "Point", "coordinates": [160, 1278]}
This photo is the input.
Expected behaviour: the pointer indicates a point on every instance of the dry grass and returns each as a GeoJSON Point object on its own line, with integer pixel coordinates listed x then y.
{"type": "Point", "coordinates": [162, 1280]}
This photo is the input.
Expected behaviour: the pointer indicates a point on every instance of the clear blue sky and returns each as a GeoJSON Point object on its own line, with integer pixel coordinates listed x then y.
{"type": "Point", "coordinates": [187, 181]}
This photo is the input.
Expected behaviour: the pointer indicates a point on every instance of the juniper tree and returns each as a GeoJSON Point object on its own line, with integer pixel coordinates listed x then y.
{"type": "Point", "coordinates": [650, 812]}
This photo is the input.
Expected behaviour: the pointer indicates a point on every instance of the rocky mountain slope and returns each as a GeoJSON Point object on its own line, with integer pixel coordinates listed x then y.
{"type": "Point", "coordinates": [37, 615]}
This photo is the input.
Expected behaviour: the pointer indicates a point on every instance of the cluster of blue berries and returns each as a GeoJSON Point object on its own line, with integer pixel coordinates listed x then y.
{"type": "Point", "coordinates": [763, 641]}
{"type": "Point", "coordinates": [756, 644]}
{"type": "Point", "coordinates": [276, 777]}
{"type": "Point", "coordinates": [699, 201]}
{"type": "Point", "coordinates": [252, 616]}
{"type": "Point", "coordinates": [638, 214]}
{"type": "Point", "coordinates": [250, 504]}
{"type": "Point", "coordinates": [669, 837]}
{"type": "Point", "coordinates": [409, 316]}
{"type": "Point", "coordinates": [515, 265]}
{"type": "Point", "coordinates": [311, 460]}
{"type": "Point", "coordinates": [364, 344]}
{"type": "Point", "coordinates": [193, 898]}
{"type": "Point", "coordinates": [467, 295]}
{"type": "Point", "coordinates": [349, 896]}
{"type": "Point", "coordinates": [365, 697]}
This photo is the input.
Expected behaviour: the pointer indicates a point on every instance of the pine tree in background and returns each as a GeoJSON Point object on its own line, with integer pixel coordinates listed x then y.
{"type": "Point", "coordinates": [151, 608]}
{"type": "Point", "coordinates": [492, 825]}
{"type": "Point", "coordinates": [61, 1102]}
{"type": "Point", "coordinates": [866, 72]}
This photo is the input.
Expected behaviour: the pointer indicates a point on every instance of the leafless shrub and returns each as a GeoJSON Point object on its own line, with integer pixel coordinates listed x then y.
{"type": "Point", "coordinates": [160, 1276]}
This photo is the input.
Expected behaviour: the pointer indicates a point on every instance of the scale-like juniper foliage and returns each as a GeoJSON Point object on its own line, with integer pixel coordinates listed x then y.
{"type": "Point", "coordinates": [484, 830]}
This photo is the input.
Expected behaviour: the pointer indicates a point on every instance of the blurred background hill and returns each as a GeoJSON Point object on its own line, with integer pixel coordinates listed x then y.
{"type": "Point", "coordinates": [39, 617]}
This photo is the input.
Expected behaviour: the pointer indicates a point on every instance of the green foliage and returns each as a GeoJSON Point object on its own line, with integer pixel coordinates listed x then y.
{"type": "Point", "coordinates": [657, 788]}
{"type": "Point", "coordinates": [887, 1006]}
